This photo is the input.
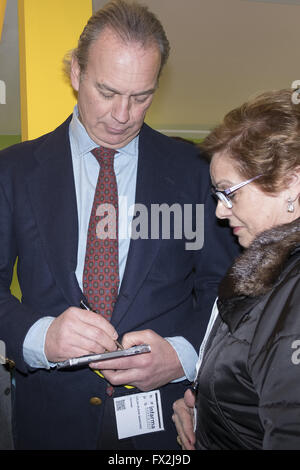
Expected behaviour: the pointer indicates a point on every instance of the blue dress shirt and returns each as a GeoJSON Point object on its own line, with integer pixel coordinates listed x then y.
{"type": "Point", "coordinates": [86, 170]}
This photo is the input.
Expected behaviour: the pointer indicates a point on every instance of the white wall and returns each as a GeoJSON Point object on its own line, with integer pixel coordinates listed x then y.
{"type": "Point", "coordinates": [223, 51]}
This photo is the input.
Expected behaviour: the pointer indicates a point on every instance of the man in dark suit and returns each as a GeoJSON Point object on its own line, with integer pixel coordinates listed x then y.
{"type": "Point", "coordinates": [165, 282]}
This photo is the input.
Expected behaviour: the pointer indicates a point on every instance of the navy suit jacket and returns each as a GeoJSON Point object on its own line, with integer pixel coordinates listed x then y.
{"type": "Point", "coordinates": [165, 287]}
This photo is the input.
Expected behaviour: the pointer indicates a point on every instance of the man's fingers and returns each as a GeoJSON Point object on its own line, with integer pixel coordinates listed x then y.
{"type": "Point", "coordinates": [76, 331]}
{"type": "Point", "coordinates": [135, 338]}
{"type": "Point", "coordinates": [92, 342]}
{"type": "Point", "coordinates": [140, 361]}
{"type": "Point", "coordinates": [96, 321]}
{"type": "Point", "coordinates": [121, 377]}
{"type": "Point", "coordinates": [145, 371]}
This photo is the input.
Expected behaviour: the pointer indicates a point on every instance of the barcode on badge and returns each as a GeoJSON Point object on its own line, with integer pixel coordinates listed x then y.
{"type": "Point", "coordinates": [120, 405]}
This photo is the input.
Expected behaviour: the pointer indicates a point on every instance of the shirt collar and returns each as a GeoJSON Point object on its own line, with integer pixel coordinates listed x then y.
{"type": "Point", "coordinates": [85, 144]}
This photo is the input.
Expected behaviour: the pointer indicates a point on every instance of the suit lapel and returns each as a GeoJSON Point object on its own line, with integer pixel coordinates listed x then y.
{"type": "Point", "coordinates": [52, 192]}
{"type": "Point", "coordinates": [53, 198]}
{"type": "Point", "coordinates": [142, 252]}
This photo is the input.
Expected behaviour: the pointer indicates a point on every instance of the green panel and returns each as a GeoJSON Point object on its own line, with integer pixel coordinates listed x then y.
{"type": "Point", "coordinates": [7, 140]}
{"type": "Point", "coordinates": [15, 288]}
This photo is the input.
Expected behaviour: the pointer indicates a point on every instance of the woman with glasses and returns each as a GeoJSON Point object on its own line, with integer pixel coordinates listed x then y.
{"type": "Point", "coordinates": [247, 388]}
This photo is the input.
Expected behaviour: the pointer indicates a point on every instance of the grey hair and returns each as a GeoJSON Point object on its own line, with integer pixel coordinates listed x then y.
{"type": "Point", "coordinates": [133, 22]}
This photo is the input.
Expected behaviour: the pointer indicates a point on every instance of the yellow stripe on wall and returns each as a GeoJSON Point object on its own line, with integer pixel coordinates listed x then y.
{"type": "Point", "coordinates": [2, 15]}
{"type": "Point", "coordinates": [47, 30]}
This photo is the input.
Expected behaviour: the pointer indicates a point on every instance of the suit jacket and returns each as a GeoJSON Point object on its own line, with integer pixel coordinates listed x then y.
{"type": "Point", "coordinates": [165, 287]}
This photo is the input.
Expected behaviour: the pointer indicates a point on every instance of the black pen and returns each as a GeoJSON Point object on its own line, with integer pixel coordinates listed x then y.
{"type": "Point", "coordinates": [85, 306]}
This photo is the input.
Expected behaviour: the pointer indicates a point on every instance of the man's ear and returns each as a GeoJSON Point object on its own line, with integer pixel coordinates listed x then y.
{"type": "Point", "coordinates": [75, 73]}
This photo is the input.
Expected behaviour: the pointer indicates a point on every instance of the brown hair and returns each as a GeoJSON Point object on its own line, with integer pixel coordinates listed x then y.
{"type": "Point", "coordinates": [262, 137]}
{"type": "Point", "coordinates": [133, 22]}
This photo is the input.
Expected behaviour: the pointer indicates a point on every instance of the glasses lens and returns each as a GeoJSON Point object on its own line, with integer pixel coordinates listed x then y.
{"type": "Point", "coordinates": [225, 201]}
{"type": "Point", "coordinates": [221, 197]}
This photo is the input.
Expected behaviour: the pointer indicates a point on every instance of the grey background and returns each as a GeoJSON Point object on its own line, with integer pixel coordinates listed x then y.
{"type": "Point", "coordinates": [223, 52]}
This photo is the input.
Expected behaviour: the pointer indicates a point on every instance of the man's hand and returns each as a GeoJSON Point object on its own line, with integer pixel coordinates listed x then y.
{"type": "Point", "coordinates": [144, 371]}
{"type": "Point", "coordinates": [183, 418]}
{"type": "Point", "coordinates": [78, 332]}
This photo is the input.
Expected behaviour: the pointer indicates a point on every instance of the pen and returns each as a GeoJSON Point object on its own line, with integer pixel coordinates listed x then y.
{"type": "Point", "coordinates": [85, 306]}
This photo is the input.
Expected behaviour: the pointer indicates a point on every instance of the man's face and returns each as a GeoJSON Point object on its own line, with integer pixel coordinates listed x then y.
{"type": "Point", "coordinates": [116, 89]}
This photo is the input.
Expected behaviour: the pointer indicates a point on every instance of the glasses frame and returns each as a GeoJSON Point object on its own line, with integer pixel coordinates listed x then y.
{"type": "Point", "coordinates": [222, 195]}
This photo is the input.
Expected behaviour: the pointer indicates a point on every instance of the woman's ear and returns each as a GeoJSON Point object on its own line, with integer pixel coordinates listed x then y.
{"type": "Point", "coordinates": [292, 181]}
{"type": "Point", "coordinates": [291, 193]}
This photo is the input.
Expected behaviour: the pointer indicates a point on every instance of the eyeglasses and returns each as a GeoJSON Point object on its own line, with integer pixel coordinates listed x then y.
{"type": "Point", "coordinates": [224, 196]}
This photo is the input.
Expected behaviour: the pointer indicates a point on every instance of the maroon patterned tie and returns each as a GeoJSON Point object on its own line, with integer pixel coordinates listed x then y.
{"type": "Point", "coordinates": [101, 268]}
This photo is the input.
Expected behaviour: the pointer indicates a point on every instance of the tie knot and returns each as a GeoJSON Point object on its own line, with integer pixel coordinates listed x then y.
{"type": "Point", "coordinates": [105, 156]}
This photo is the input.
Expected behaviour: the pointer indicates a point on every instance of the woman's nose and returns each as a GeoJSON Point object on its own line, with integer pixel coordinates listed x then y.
{"type": "Point", "coordinates": [223, 212]}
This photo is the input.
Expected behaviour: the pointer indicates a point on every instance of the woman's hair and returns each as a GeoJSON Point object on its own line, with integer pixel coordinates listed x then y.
{"type": "Point", "coordinates": [133, 22]}
{"type": "Point", "coordinates": [262, 137]}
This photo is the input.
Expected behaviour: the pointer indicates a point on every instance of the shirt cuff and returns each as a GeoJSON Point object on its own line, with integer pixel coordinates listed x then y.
{"type": "Point", "coordinates": [187, 356]}
{"type": "Point", "coordinates": [34, 343]}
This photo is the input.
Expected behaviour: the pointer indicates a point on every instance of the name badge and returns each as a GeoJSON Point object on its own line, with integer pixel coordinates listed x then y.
{"type": "Point", "coordinates": [140, 413]}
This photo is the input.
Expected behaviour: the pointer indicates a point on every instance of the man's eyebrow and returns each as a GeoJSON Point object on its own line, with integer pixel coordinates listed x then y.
{"type": "Point", "coordinates": [102, 86]}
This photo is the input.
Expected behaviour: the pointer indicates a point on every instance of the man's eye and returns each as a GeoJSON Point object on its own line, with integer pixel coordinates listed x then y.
{"type": "Point", "coordinates": [141, 99]}
{"type": "Point", "coordinates": [231, 196]}
{"type": "Point", "coordinates": [107, 96]}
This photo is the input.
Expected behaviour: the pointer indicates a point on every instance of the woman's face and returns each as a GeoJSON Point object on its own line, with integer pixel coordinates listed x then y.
{"type": "Point", "coordinates": [253, 210]}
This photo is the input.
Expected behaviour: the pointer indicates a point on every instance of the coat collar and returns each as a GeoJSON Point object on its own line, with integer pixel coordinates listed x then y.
{"type": "Point", "coordinates": [257, 271]}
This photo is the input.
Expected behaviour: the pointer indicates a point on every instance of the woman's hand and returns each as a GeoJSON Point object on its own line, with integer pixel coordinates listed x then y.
{"type": "Point", "coordinates": [183, 418]}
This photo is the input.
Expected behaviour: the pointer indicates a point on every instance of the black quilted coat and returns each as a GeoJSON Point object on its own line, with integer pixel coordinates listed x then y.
{"type": "Point", "coordinates": [249, 382]}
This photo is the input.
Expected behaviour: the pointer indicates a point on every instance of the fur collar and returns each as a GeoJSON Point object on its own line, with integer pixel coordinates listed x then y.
{"type": "Point", "coordinates": [255, 272]}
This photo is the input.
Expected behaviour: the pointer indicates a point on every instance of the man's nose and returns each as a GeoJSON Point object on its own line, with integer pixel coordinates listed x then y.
{"type": "Point", "coordinates": [121, 109]}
